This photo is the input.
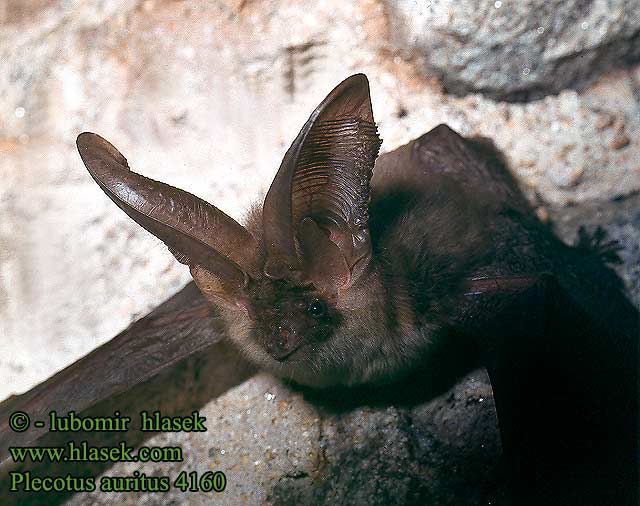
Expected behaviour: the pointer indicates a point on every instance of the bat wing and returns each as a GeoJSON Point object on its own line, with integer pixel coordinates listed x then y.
{"type": "Point", "coordinates": [554, 330]}
{"type": "Point", "coordinates": [474, 164]}
{"type": "Point", "coordinates": [157, 361]}
{"type": "Point", "coordinates": [566, 387]}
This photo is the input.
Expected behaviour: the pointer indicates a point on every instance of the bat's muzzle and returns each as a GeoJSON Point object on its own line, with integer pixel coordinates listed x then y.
{"type": "Point", "coordinates": [286, 340]}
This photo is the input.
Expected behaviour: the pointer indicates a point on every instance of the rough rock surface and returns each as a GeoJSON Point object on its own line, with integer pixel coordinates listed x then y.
{"type": "Point", "coordinates": [517, 50]}
{"type": "Point", "coordinates": [277, 449]}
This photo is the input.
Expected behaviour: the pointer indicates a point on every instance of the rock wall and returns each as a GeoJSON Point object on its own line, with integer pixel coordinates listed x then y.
{"type": "Point", "coordinates": [517, 50]}
{"type": "Point", "coordinates": [278, 449]}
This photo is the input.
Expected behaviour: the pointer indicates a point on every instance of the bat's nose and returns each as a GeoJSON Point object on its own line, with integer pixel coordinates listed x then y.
{"type": "Point", "coordinates": [284, 341]}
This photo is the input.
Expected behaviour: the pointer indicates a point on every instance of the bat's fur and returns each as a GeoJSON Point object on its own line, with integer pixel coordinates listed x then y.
{"type": "Point", "coordinates": [426, 240]}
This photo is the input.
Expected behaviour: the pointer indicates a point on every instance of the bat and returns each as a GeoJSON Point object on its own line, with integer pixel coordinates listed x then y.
{"type": "Point", "coordinates": [356, 269]}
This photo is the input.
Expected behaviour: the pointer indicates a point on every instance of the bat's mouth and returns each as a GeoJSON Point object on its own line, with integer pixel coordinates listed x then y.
{"type": "Point", "coordinates": [284, 343]}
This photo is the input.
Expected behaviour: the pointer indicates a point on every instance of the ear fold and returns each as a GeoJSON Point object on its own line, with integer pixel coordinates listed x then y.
{"type": "Point", "coordinates": [197, 233]}
{"type": "Point", "coordinates": [316, 211]}
{"type": "Point", "coordinates": [325, 263]}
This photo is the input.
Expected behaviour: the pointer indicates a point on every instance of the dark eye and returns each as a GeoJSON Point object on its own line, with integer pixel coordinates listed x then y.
{"type": "Point", "coordinates": [316, 308]}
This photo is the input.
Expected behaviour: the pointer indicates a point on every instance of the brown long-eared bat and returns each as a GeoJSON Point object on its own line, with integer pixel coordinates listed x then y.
{"type": "Point", "coordinates": [356, 267]}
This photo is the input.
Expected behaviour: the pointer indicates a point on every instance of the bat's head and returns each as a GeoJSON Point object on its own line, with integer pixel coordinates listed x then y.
{"type": "Point", "coordinates": [297, 287]}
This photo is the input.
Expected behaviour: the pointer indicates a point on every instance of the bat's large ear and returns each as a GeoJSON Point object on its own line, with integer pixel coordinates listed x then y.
{"type": "Point", "coordinates": [220, 252]}
{"type": "Point", "coordinates": [315, 216]}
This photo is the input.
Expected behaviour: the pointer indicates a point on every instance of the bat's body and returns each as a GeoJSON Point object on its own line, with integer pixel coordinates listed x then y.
{"type": "Point", "coordinates": [343, 278]}
{"type": "Point", "coordinates": [427, 236]}
{"type": "Point", "coordinates": [554, 329]}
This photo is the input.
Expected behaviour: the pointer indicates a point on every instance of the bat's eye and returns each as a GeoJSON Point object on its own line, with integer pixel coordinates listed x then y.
{"type": "Point", "coordinates": [316, 308]}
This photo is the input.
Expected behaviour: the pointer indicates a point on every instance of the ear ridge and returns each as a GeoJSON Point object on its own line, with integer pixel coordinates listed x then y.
{"type": "Point", "coordinates": [325, 176]}
{"type": "Point", "coordinates": [332, 182]}
{"type": "Point", "coordinates": [325, 263]}
{"type": "Point", "coordinates": [184, 222]}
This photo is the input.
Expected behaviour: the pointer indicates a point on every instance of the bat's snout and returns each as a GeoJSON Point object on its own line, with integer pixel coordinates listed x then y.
{"type": "Point", "coordinates": [285, 340]}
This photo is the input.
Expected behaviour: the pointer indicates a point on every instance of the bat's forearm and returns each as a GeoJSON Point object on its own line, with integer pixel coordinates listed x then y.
{"type": "Point", "coordinates": [153, 362]}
